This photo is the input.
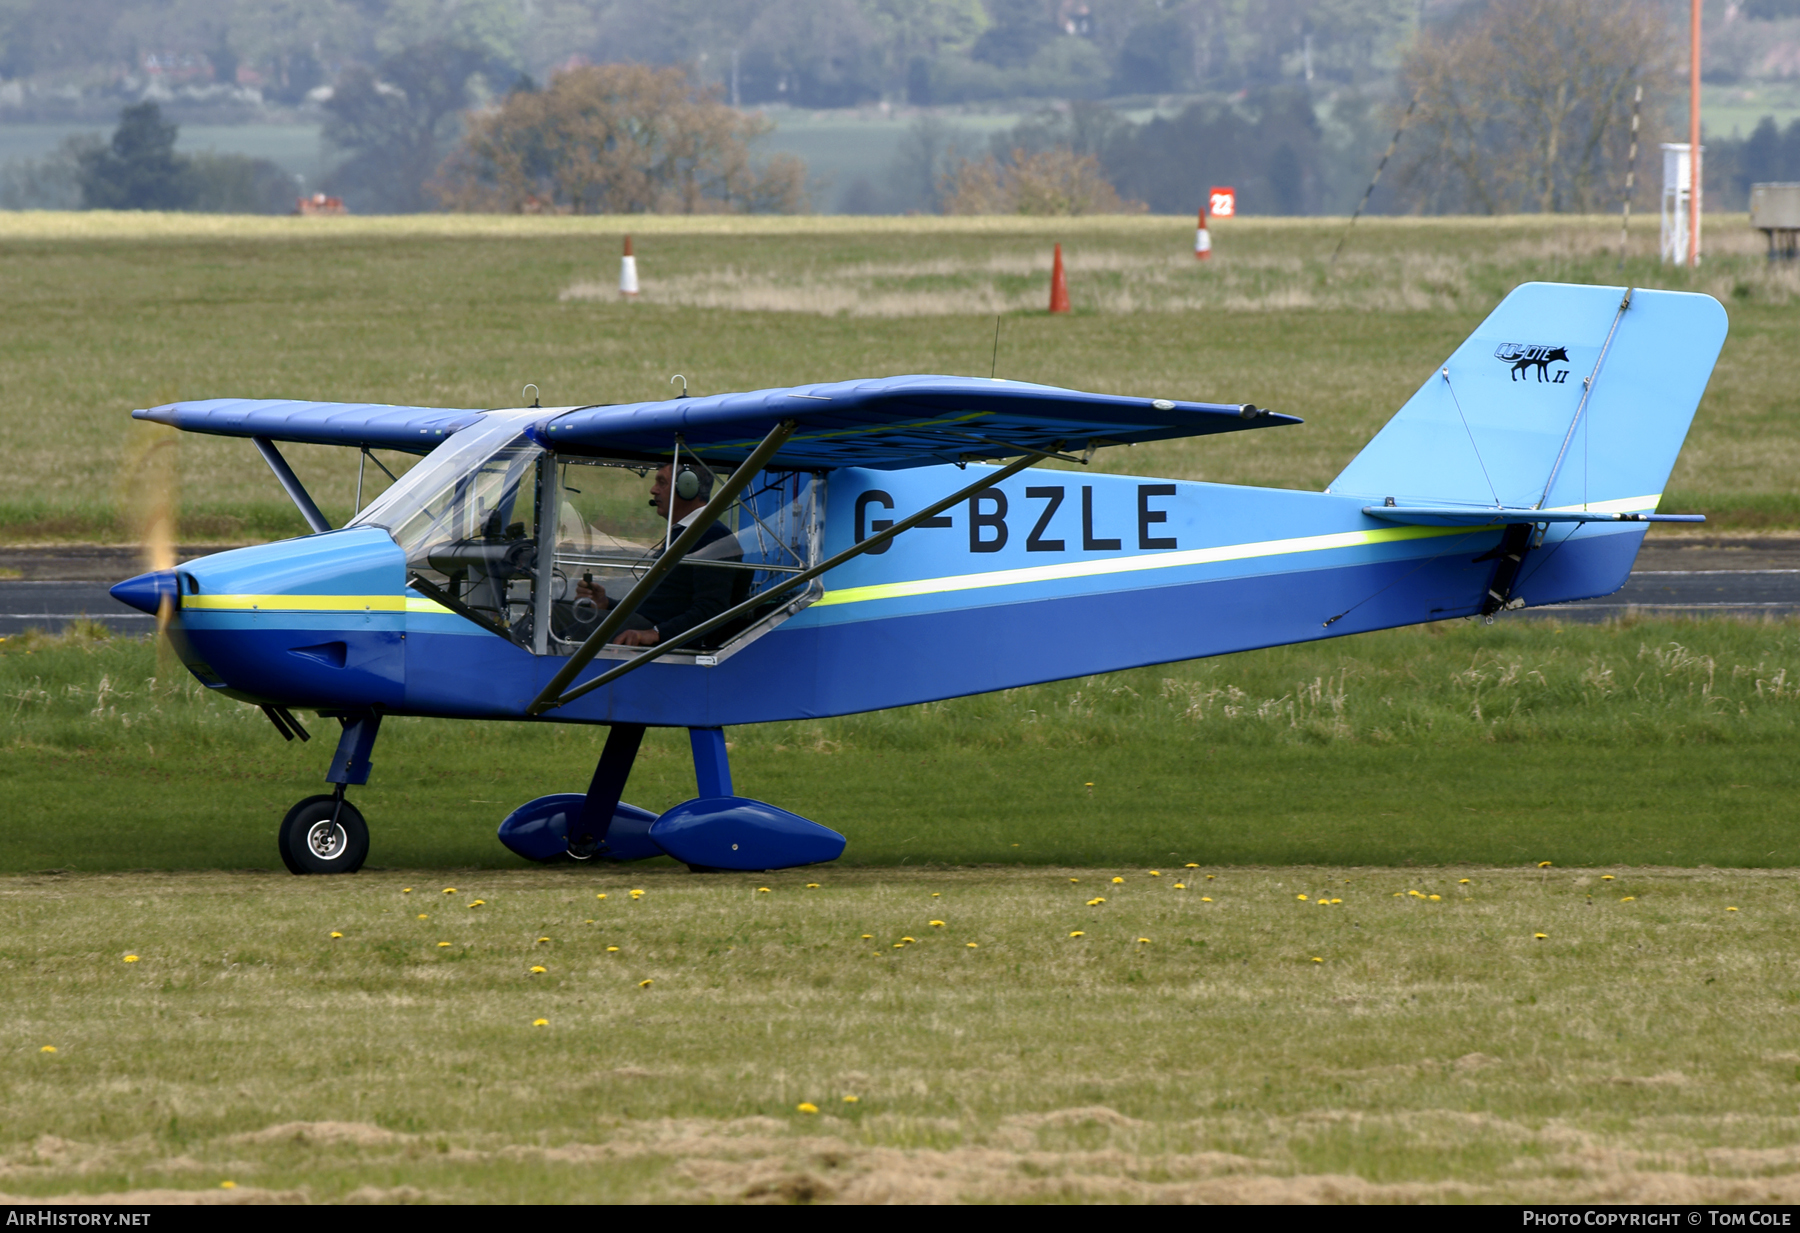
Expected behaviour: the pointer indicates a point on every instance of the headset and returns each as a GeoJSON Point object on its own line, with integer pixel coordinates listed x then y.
{"type": "Point", "coordinates": [691, 482]}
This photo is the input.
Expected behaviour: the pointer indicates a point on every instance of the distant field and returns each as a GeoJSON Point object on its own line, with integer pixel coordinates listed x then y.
{"type": "Point", "coordinates": [293, 147]}
{"type": "Point", "coordinates": [107, 313]}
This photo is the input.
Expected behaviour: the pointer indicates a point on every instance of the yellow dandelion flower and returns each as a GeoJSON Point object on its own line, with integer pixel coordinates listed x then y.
{"type": "Point", "coordinates": [971, 945]}
{"type": "Point", "coordinates": [1337, 901]}
{"type": "Point", "coordinates": [601, 895]}
{"type": "Point", "coordinates": [1156, 873]}
{"type": "Point", "coordinates": [336, 934]}
{"type": "Point", "coordinates": [541, 941]}
{"type": "Point", "coordinates": [1605, 877]}
{"type": "Point", "coordinates": [227, 1185]}
{"type": "Point", "coordinates": [1118, 881]}
{"type": "Point", "coordinates": [424, 916]}
{"type": "Point", "coordinates": [478, 903]}
{"type": "Point", "coordinates": [1190, 865]}
{"type": "Point", "coordinates": [612, 950]}
{"type": "Point", "coordinates": [449, 890]}
{"type": "Point", "coordinates": [1143, 941]}
{"type": "Point", "coordinates": [406, 890]}
{"type": "Point", "coordinates": [1078, 934]}
{"type": "Point", "coordinates": [538, 969]}
{"type": "Point", "coordinates": [909, 939]}
{"type": "Point", "coordinates": [899, 945]}
{"type": "Point", "coordinates": [644, 984]}
{"type": "Point", "coordinates": [1462, 881]}
{"type": "Point", "coordinates": [589, 922]}
{"type": "Point", "coordinates": [441, 945]}
{"type": "Point", "coordinates": [1416, 894]}
{"type": "Point", "coordinates": [806, 1106]}
{"type": "Point", "coordinates": [1211, 877]}
{"type": "Point", "coordinates": [1543, 864]}
{"type": "Point", "coordinates": [1205, 899]}
{"type": "Point", "coordinates": [1398, 895]}
{"type": "Point", "coordinates": [936, 924]}
{"type": "Point", "coordinates": [868, 937]}
{"type": "Point", "coordinates": [1629, 899]}
{"type": "Point", "coordinates": [937, 894]}
{"type": "Point", "coordinates": [1731, 909]}
{"type": "Point", "coordinates": [1300, 897]}
{"type": "Point", "coordinates": [48, 1049]}
{"type": "Point", "coordinates": [1316, 959]}
{"type": "Point", "coordinates": [812, 886]}
{"type": "Point", "coordinates": [1435, 898]}
{"type": "Point", "coordinates": [763, 890]}
{"type": "Point", "coordinates": [1540, 936]}
{"type": "Point", "coordinates": [131, 958]}
{"type": "Point", "coordinates": [638, 890]}
{"type": "Point", "coordinates": [850, 1100]}
{"type": "Point", "coordinates": [1180, 886]}
{"type": "Point", "coordinates": [1074, 879]}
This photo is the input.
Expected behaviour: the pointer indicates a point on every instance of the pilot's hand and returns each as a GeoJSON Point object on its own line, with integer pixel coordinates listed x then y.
{"type": "Point", "coordinates": [638, 637]}
{"type": "Point", "coordinates": [595, 592]}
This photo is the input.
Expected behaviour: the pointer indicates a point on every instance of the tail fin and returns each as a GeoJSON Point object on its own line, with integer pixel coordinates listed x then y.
{"type": "Point", "coordinates": [1566, 396]}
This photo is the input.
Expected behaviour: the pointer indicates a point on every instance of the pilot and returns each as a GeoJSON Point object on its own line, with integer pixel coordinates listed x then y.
{"type": "Point", "coordinates": [689, 594]}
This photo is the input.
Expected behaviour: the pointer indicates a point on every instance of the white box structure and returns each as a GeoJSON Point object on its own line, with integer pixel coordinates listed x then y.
{"type": "Point", "coordinates": [1678, 204]}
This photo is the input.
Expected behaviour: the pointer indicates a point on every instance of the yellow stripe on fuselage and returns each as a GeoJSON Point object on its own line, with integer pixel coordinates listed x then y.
{"type": "Point", "coordinates": [311, 603]}
{"type": "Point", "coordinates": [1194, 556]}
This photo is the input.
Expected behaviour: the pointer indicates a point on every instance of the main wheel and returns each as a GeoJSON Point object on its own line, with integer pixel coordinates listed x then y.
{"type": "Point", "coordinates": [312, 842]}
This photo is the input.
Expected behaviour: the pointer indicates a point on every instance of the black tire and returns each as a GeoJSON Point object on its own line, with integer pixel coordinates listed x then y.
{"type": "Point", "coordinates": [310, 844]}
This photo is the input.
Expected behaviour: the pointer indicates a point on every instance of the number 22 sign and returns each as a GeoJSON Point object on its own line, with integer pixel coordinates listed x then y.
{"type": "Point", "coordinates": [1222, 202]}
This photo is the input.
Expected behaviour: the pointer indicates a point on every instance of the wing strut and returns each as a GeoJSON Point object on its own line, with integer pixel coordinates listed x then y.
{"type": "Point", "coordinates": [722, 498]}
{"type": "Point", "coordinates": [540, 705]}
{"type": "Point", "coordinates": [290, 483]}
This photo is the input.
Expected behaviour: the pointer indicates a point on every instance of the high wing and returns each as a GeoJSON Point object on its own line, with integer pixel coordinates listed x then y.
{"type": "Point", "coordinates": [887, 423]}
{"type": "Point", "coordinates": [890, 423]}
{"type": "Point", "coordinates": [417, 430]}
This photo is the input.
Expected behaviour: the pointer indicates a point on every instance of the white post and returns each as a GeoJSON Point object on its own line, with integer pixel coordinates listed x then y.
{"type": "Point", "coordinates": [1678, 210]}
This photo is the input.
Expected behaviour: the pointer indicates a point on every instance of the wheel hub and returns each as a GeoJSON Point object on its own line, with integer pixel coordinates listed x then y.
{"type": "Point", "coordinates": [326, 839]}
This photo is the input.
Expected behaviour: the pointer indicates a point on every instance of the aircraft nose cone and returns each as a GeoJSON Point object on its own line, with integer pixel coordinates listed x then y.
{"type": "Point", "coordinates": [147, 591]}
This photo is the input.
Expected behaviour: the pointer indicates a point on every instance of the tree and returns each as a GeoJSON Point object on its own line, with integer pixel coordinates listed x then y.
{"type": "Point", "coordinates": [397, 123]}
{"type": "Point", "coordinates": [618, 139]}
{"type": "Point", "coordinates": [1525, 104]}
{"type": "Point", "coordinates": [1054, 182]}
{"type": "Point", "coordinates": [138, 169]}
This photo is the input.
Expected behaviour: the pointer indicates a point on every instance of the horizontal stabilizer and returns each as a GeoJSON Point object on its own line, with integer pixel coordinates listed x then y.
{"type": "Point", "coordinates": [1462, 516]}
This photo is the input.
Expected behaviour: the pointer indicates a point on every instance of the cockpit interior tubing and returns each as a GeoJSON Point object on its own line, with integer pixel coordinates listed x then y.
{"type": "Point", "coordinates": [722, 499]}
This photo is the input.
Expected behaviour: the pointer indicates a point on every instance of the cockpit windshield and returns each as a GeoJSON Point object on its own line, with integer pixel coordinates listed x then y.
{"type": "Point", "coordinates": [471, 516]}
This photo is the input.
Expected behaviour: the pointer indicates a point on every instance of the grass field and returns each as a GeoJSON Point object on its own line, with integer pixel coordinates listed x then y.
{"type": "Point", "coordinates": [1660, 743]}
{"type": "Point", "coordinates": [106, 313]}
{"type": "Point", "coordinates": [1453, 1034]}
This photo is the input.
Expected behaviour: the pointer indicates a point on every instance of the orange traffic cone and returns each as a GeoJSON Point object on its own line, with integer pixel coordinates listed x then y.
{"type": "Point", "coordinates": [1202, 240]}
{"type": "Point", "coordinates": [1059, 286]}
{"type": "Point", "coordinates": [628, 285]}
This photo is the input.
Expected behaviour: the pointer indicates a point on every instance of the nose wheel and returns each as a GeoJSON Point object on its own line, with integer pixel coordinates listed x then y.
{"type": "Point", "coordinates": [323, 834]}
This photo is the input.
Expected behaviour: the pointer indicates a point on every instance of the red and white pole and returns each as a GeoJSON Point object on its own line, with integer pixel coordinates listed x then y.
{"type": "Point", "coordinates": [628, 284]}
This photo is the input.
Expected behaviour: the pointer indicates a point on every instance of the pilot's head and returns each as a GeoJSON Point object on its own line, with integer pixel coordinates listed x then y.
{"type": "Point", "coordinates": [686, 479]}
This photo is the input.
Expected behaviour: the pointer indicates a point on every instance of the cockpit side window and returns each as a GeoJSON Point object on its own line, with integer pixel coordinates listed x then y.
{"type": "Point", "coordinates": [471, 520]}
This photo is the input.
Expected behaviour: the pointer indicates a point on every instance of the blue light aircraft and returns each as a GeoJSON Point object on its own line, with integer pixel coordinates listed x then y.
{"type": "Point", "coordinates": [856, 545]}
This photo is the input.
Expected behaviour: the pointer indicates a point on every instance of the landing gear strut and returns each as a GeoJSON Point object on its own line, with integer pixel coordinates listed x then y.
{"type": "Point", "coordinates": [327, 834]}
